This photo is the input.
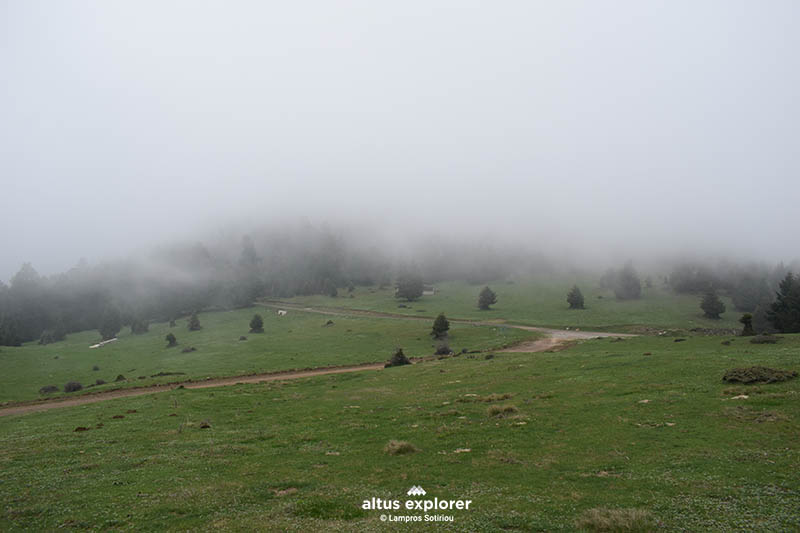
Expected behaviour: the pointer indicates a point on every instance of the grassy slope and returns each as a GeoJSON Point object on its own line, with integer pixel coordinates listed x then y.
{"type": "Point", "coordinates": [582, 439]}
{"type": "Point", "coordinates": [543, 303]}
{"type": "Point", "coordinates": [297, 340]}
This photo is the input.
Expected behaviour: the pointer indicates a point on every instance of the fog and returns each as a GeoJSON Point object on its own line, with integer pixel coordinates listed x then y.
{"type": "Point", "coordinates": [575, 129]}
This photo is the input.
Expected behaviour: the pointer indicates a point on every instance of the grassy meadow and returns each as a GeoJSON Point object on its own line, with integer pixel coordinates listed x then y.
{"type": "Point", "coordinates": [542, 302]}
{"type": "Point", "coordinates": [297, 340]}
{"type": "Point", "coordinates": [536, 441]}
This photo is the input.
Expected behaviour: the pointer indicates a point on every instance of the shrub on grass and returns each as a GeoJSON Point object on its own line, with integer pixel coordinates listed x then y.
{"type": "Point", "coordinates": [171, 340]}
{"type": "Point", "coordinates": [502, 411]}
{"type": "Point", "coordinates": [399, 447]}
{"type": "Point", "coordinates": [189, 349]}
{"type": "Point", "coordinates": [100, 382]}
{"type": "Point", "coordinates": [120, 377]}
{"type": "Point", "coordinates": [48, 389]}
{"type": "Point", "coordinates": [601, 519]}
{"type": "Point", "coordinates": [72, 386]}
{"type": "Point", "coordinates": [758, 374]}
{"type": "Point", "coordinates": [398, 359]}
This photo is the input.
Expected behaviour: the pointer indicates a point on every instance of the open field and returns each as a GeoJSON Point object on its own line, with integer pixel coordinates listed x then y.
{"type": "Point", "coordinates": [599, 425]}
{"type": "Point", "coordinates": [298, 340]}
{"type": "Point", "coordinates": [542, 302]}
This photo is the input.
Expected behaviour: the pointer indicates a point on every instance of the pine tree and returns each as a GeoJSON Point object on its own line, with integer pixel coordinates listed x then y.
{"type": "Point", "coordinates": [194, 323]}
{"type": "Point", "coordinates": [711, 305]}
{"type": "Point", "coordinates": [171, 340]}
{"type": "Point", "coordinates": [747, 321]}
{"type": "Point", "coordinates": [575, 298]}
{"type": "Point", "coordinates": [486, 298]}
{"type": "Point", "coordinates": [627, 285]}
{"type": "Point", "coordinates": [257, 324]}
{"type": "Point", "coordinates": [784, 313]}
{"type": "Point", "coordinates": [440, 326]}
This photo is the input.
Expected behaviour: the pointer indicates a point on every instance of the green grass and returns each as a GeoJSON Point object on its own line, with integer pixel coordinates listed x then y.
{"type": "Point", "coordinates": [298, 340]}
{"type": "Point", "coordinates": [542, 302]}
{"type": "Point", "coordinates": [599, 426]}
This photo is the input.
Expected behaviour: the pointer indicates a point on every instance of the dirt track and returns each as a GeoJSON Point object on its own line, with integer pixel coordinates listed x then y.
{"type": "Point", "coordinates": [555, 338]}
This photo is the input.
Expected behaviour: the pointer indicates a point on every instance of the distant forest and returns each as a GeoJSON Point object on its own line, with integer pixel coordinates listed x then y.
{"type": "Point", "coordinates": [175, 281]}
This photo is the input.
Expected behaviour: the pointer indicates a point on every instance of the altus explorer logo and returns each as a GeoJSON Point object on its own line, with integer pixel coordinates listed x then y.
{"type": "Point", "coordinates": [374, 504]}
{"type": "Point", "coordinates": [416, 490]}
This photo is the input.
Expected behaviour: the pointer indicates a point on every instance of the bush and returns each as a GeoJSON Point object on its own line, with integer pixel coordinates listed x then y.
{"type": "Point", "coordinates": [48, 389]}
{"type": "Point", "coordinates": [486, 298]}
{"type": "Point", "coordinates": [399, 447]}
{"type": "Point", "coordinates": [194, 323]}
{"type": "Point", "coordinates": [120, 377]}
{"type": "Point", "coordinates": [443, 349]}
{"type": "Point", "coordinates": [758, 374]}
{"type": "Point", "coordinates": [398, 359]}
{"type": "Point", "coordinates": [257, 324]}
{"type": "Point", "coordinates": [171, 340]}
{"type": "Point", "coordinates": [601, 519]}
{"type": "Point", "coordinates": [242, 338]}
{"type": "Point", "coordinates": [110, 324]}
{"type": "Point", "coordinates": [747, 321]}
{"type": "Point", "coordinates": [575, 298]}
{"type": "Point", "coordinates": [100, 382]}
{"type": "Point", "coordinates": [440, 327]}
{"type": "Point", "coordinates": [189, 349]}
{"type": "Point", "coordinates": [784, 313]}
{"type": "Point", "coordinates": [72, 386]}
{"type": "Point", "coordinates": [95, 368]}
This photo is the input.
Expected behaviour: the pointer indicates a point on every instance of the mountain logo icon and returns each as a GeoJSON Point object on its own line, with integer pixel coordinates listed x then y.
{"type": "Point", "coordinates": [416, 490]}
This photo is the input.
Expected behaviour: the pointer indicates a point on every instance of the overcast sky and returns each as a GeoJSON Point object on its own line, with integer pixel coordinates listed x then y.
{"type": "Point", "coordinates": [627, 125]}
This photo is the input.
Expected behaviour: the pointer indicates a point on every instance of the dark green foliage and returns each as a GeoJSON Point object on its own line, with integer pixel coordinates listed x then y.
{"type": "Point", "coordinates": [711, 305]}
{"type": "Point", "coordinates": [48, 389]}
{"type": "Point", "coordinates": [9, 332]}
{"type": "Point", "coordinates": [172, 323]}
{"type": "Point", "coordinates": [627, 285]}
{"type": "Point", "coordinates": [257, 324]}
{"type": "Point", "coordinates": [784, 313]}
{"type": "Point", "coordinates": [749, 292]}
{"type": "Point", "coordinates": [139, 326]}
{"type": "Point", "coordinates": [443, 349]}
{"type": "Point", "coordinates": [398, 359]}
{"type": "Point", "coordinates": [758, 374]}
{"type": "Point", "coordinates": [486, 298]}
{"type": "Point", "coordinates": [747, 321]}
{"type": "Point", "coordinates": [575, 298]}
{"type": "Point", "coordinates": [409, 286]}
{"type": "Point", "coordinates": [692, 278]}
{"type": "Point", "coordinates": [194, 323]}
{"type": "Point", "coordinates": [440, 327]}
{"type": "Point", "coordinates": [111, 323]}
{"type": "Point", "coordinates": [72, 386]}
{"type": "Point", "coordinates": [171, 340]}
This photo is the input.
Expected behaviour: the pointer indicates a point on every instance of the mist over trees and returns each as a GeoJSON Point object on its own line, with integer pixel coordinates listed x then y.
{"type": "Point", "coordinates": [232, 271]}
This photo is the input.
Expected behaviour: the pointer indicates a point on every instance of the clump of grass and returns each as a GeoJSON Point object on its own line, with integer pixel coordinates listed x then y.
{"type": "Point", "coordinates": [48, 389]}
{"type": "Point", "coordinates": [494, 397]}
{"type": "Point", "coordinates": [399, 447]}
{"type": "Point", "coordinates": [758, 374]}
{"type": "Point", "coordinates": [602, 519]}
{"type": "Point", "coordinates": [501, 411]}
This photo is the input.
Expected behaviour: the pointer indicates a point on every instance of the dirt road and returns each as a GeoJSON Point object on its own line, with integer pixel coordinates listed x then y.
{"type": "Point", "coordinates": [555, 338]}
